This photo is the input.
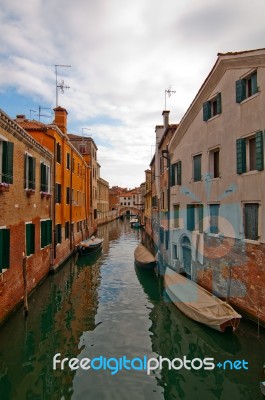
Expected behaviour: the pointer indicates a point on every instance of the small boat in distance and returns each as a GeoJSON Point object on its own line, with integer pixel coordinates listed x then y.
{"type": "Point", "coordinates": [143, 258]}
{"type": "Point", "coordinates": [199, 304]}
{"type": "Point", "coordinates": [89, 246]}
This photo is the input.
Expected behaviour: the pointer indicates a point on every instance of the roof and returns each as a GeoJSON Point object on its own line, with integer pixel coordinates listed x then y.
{"type": "Point", "coordinates": [30, 124]}
{"type": "Point", "coordinates": [235, 53]}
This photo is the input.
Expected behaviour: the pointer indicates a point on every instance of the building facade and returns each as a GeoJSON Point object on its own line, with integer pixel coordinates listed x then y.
{"type": "Point", "coordinates": [217, 226]}
{"type": "Point", "coordinates": [26, 190]}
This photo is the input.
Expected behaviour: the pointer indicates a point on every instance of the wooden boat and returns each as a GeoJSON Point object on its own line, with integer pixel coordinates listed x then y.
{"type": "Point", "coordinates": [133, 221]}
{"type": "Point", "coordinates": [143, 258]}
{"type": "Point", "coordinates": [199, 304]}
{"type": "Point", "coordinates": [90, 245]}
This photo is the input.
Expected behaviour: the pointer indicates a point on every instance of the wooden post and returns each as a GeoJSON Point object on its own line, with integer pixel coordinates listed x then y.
{"type": "Point", "coordinates": [24, 264]}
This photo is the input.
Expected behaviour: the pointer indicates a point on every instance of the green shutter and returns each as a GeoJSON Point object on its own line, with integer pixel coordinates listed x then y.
{"type": "Point", "coordinates": [49, 231]}
{"type": "Point", "coordinates": [4, 249]}
{"type": "Point", "coordinates": [241, 156]}
{"type": "Point", "coordinates": [206, 110]}
{"type": "Point", "coordinates": [200, 217]}
{"type": "Point", "coordinates": [42, 177]}
{"type": "Point", "coordinates": [254, 86]}
{"type": "Point", "coordinates": [197, 168]}
{"type": "Point", "coordinates": [190, 217]}
{"type": "Point", "coordinates": [28, 239]}
{"type": "Point", "coordinates": [7, 162]}
{"type": "Point", "coordinates": [218, 103]}
{"type": "Point", "coordinates": [179, 173]}
{"type": "Point", "coordinates": [31, 170]}
{"type": "Point", "coordinates": [240, 90]}
{"type": "Point", "coordinates": [172, 174]}
{"type": "Point", "coordinates": [25, 171]}
{"type": "Point", "coordinates": [259, 151]}
{"type": "Point", "coordinates": [43, 233]}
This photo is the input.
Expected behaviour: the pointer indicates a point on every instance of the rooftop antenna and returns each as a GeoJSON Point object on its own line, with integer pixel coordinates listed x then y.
{"type": "Point", "coordinates": [31, 111]}
{"type": "Point", "coordinates": [168, 92]}
{"type": "Point", "coordinates": [43, 115]}
{"type": "Point", "coordinates": [61, 85]}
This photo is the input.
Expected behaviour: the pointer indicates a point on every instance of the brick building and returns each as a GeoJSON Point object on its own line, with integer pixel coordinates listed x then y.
{"type": "Point", "coordinates": [25, 213]}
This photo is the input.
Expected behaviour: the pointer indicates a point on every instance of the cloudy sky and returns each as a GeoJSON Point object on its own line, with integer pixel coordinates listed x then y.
{"type": "Point", "coordinates": [123, 55]}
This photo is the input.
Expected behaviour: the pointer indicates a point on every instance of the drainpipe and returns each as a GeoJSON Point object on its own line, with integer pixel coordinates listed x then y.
{"type": "Point", "coordinates": [71, 200]}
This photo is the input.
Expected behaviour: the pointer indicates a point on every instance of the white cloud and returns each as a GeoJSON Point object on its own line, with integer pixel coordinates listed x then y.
{"type": "Point", "coordinates": [123, 55]}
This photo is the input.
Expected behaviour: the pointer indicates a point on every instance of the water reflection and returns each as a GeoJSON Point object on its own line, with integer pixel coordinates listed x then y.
{"type": "Point", "coordinates": [102, 305]}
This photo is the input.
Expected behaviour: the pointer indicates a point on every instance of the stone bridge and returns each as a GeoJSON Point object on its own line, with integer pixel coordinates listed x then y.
{"type": "Point", "coordinates": [132, 210]}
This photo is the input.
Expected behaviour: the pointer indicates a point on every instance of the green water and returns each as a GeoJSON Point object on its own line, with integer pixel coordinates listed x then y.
{"type": "Point", "coordinates": [104, 306]}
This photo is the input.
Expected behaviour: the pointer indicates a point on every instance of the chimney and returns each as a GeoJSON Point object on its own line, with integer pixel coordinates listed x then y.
{"type": "Point", "coordinates": [165, 118]}
{"type": "Point", "coordinates": [60, 118]}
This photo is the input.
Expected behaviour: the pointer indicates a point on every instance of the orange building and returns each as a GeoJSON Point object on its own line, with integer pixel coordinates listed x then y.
{"type": "Point", "coordinates": [71, 184]}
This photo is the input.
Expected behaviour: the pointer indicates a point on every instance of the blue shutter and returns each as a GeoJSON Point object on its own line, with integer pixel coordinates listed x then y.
{"type": "Point", "coordinates": [200, 217]}
{"type": "Point", "coordinates": [259, 151]}
{"type": "Point", "coordinates": [214, 213]}
{"type": "Point", "coordinates": [197, 168]}
{"type": "Point", "coordinates": [206, 111]}
{"type": "Point", "coordinates": [190, 217]}
{"type": "Point", "coordinates": [240, 90]}
{"type": "Point", "coordinates": [241, 156]}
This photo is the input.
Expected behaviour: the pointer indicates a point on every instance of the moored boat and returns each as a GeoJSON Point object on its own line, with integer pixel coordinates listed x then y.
{"type": "Point", "coordinates": [143, 258]}
{"type": "Point", "coordinates": [199, 304]}
{"type": "Point", "coordinates": [90, 245]}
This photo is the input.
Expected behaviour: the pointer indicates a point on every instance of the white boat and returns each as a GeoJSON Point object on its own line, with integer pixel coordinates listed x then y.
{"type": "Point", "coordinates": [199, 304]}
{"type": "Point", "coordinates": [90, 245]}
{"type": "Point", "coordinates": [143, 258]}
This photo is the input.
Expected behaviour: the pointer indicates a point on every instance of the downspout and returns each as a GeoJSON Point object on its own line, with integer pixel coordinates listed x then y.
{"type": "Point", "coordinates": [71, 200]}
{"type": "Point", "coordinates": [168, 190]}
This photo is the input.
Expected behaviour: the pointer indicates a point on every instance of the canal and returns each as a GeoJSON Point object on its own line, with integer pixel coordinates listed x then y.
{"type": "Point", "coordinates": [104, 308]}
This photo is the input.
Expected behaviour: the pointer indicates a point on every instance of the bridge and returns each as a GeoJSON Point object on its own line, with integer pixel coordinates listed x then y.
{"type": "Point", "coordinates": [128, 209]}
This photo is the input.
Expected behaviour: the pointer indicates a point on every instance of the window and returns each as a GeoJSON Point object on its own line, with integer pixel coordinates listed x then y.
{"type": "Point", "coordinates": [176, 174]}
{"type": "Point", "coordinates": [195, 217]}
{"type": "Point", "coordinates": [82, 148]}
{"type": "Point", "coordinates": [68, 160]}
{"type": "Point", "coordinates": [58, 153]}
{"type": "Point", "coordinates": [246, 87]}
{"type": "Point", "coordinates": [212, 107]}
{"type": "Point", "coordinates": [4, 249]}
{"type": "Point", "coordinates": [73, 164]}
{"type": "Point", "coordinates": [175, 251]}
{"type": "Point", "coordinates": [197, 168]}
{"type": "Point", "coordinates": [214, 216]}
{"type": "Point", "coordinates": [67, 230]}
{"type": "Point", "coordinates": [251, 219]}
{"type": "Point", "coordinates": [30, 239]}
{"type": "Point", "coordinates": [44, 178]}
{"type": "Point", "coordinates": [58, 234]}
{"type": "Point", "coordinates": [58, 192]}
{"type": "Point", "coordinates": [214, 163]}
{"type": "Point", "coordinates": [6, 161]}
{"type": "Point", "coordinates": [29, 172]}
{"type": "Point", "coordinates": [46, 232]}
{"type": "Point", "coordinates": [95, 213]}
{"type": "Point", "coordinates": [249, 153]}
{"type": "Point", "coordinates": [67, 195]}
{"type": "Point", "coordinates": [175, 215]}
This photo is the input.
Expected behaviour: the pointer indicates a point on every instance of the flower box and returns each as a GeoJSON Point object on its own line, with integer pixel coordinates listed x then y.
{"type": "Point", "coordinates": [30, 192]}
{"type": "Point", "coordinates": [4, 187]}
{"type": "Point", "coordinates": [45, 194]}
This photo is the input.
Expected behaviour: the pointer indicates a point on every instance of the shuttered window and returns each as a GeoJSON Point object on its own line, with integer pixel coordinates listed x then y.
{"type": "Point", "coordinates": [58, 189]}
{"type": "Point", "coordinates": [44, 178]}
{"type": "Point", "coordinates": [251, 221]}
{"type": "Point", "coordinates": [246, 87]}
{"type": "Point", "coordinates": [212, 107]}
{"type": "Point", "coordinates": [6, 171]}
{"type": "Point", "coordinates": [4, 249]}
{"type": "Point", "coordinates": [58, 153]}
{"type": "Point", "coordinates": [190, 217]}
{"type": "Point", "coordinates": [250, 153]}
{"type": "Point", "coordinates": [197, 168]}
{"type": "Point", "coordinates": [214, 217]}
{"type": "Point", "coordinates": [176, 174]}
{"type": "Point", "coordinates": [58, 233]}
{"type": "Point", "coordinates": [29, 172]}
{"type": "Point", "coordinates": [30, 239]}
{"type": "Point", "coordinates": [46, 233]}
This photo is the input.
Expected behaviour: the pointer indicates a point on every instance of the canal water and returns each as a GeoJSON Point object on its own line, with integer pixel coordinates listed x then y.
{"type": "Point", "coordinates": [104, 308]}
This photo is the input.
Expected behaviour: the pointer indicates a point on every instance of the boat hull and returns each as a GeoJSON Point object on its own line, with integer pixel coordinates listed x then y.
{"type": "Point", "coordinates": [143, 258]}
{"type": "Point", "coordinates": [199, 304]}
{"type": "Point", "coordinates": [90, 246]}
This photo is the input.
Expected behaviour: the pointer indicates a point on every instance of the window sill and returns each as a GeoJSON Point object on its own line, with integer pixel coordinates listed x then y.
{"type": "Point", "coordinates": [250, 241]}
{"type": "Point", "coordinates": [214, 234]}
{"type": "Point", "coordinates": [214, 117]}
{"type": "Point", "coordinates": [249, 98]}
{"type": "Point", "coordinates": [252, 172]}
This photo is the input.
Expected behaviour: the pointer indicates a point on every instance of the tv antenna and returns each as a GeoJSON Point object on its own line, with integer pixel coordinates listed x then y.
{"type": "Point", "coordinates": [168, 92]}
{"type": "Point", "coordinates": [43, 115]}
{"type": "Point", "coordinates": [31, 111]}
{"type": "Point", "coordinates": [61, 85]}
